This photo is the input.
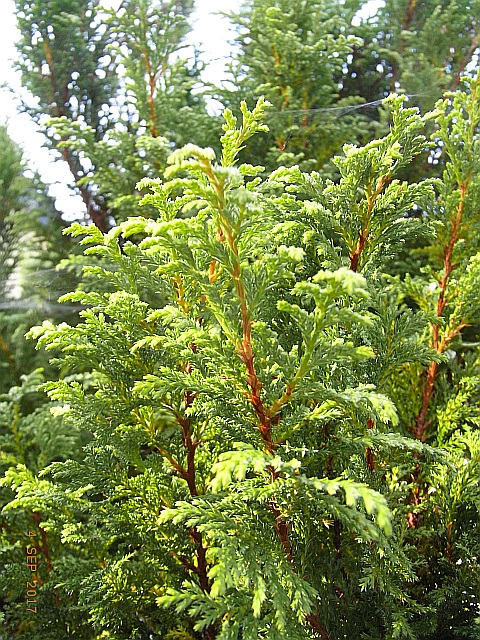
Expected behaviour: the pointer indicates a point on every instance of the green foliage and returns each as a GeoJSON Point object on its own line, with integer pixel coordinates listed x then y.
{"type": "Point", "coordinates": [327, 66]}
{"type": "Point", "coordinates": [244, 427]}
{"type": "Point", "coordinates": [62, 59]}
{"type": "Point", "coordinates": [30, 246]}
{"type": "Point", "coordinates": [115, 92]}
{"type": "Point", "coordinates": [422, 47]}
{"type": "Point", "coordinates": [293, 54]}
{"type": "Point", "coordinates": [12, 184]}
{"type": "Point", "coordinates": [245, 476]}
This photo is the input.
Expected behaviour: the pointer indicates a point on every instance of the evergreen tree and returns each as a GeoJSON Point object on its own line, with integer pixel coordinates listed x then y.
{"type": "Point", "coordinates": [294, 55]}
{"type": "Point", "coordinates": [30, 248]}
{"type": "Point", "coordinates": [11, 188]}
{"type": "Point", "coordinates": [265, 422]}
{"type": "Point", "coordinates": [318, 62]}
{"type": "Point", "coordinates": [116, 94]}
{"type": "Point", "coordinates": [248, 474]}
{"type": "Point", "coordinates": [31, 245]}
{"type": "Point", "coordinates": [422, 48]}
{"type": "Point", "coordinates": [65, 65]}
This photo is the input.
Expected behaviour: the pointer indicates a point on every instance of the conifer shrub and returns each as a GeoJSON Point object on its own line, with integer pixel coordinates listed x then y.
{"type": "Point", "coordinates": [282, 444]}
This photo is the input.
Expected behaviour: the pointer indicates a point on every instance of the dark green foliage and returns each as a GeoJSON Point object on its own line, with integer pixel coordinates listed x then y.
{"type": "Point", "coordinates": [12, 187]}
{"type": "Point", "coordinates": [63, 59]}
{"type": "Point", "coordinates": [420, 47]}
{"type": "Point", "coordinates": [326, 66]}
{"type": "Point", "coordinates": [294, 54]}
{"type": "Point", "coordinates": [115, 93]}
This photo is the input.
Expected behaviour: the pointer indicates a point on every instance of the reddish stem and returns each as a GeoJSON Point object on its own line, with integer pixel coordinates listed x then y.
{"type": "Point", "coordinates": [365, 230]}
{"type": "Point", "coordinates": [265, 416]}
{"type": "Point", "coordinates": [189, 475]}
{"type": "Point", "coordinates": [441, 343]}
{"type": "Point", "coordinates": [151, 95]}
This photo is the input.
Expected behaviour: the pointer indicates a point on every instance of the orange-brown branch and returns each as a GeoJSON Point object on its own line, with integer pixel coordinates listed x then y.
{"type": "Point", "coordinates": [53, 80]}
{"type": "Point", "coordinates": [267, 416]}
{"type": "Point", "coordinates": [6, 350]}
{"type": "Point", "coordinates": [440, 343]}
{"type": "Point", "coordinates": [368, 451]}
{"type": "Point", "coordinates": [365, 229]}
{"type": "Point", "coordinates": [266, 419]}
{"type": "Point", "coordinates": [151, 95]}
{"type": "Point", "coordinates": [409, 14]}
{"type": "Point", "coordinates": [355, 256]}
{"type": "Point", "coordinates": [354, 259]}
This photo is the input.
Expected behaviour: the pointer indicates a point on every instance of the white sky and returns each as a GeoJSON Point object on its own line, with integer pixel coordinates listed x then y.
{"type": "Point", "coordinates": [210, 32]}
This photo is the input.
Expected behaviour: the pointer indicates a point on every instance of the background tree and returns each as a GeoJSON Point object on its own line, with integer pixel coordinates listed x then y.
{"type": "Point", "coordinates": [31, 245]}
{"type": "Point", "coordinates": [65, 64]}
{"type": "Point", "coordinates": [116, 92]}
{"type": "Point", "coordinates": [11, 190]}
{"type": "Point", "coordinates": [422, 48]}
{"type": "Point", "coordinates": [317, 62]}
{"type": "Point", "coordinates": [294, 55]}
